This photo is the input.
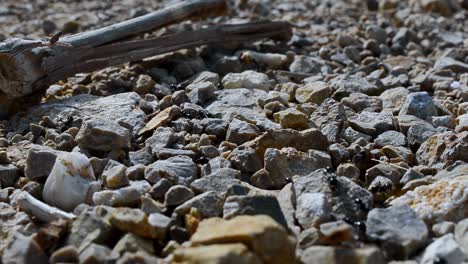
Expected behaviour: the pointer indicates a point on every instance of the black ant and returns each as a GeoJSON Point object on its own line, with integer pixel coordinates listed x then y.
{"type": "Point", "coordinates": [176, 87]}
{"type": "Point", "coordinates": [361, 204]}
{"type": "Point", "coordinates": [331, 178]}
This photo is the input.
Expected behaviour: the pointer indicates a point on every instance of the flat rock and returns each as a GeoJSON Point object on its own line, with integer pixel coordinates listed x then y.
{"type": "Point", "coordinates": [372, 123]}
{"type": "Point", "coordinates": [442, 150]}
{"type": "Point", "coordinates": [219, 253]}
{"type": "Point", "coordinates": [399, 241]}
{"type": "Point", "coordinates": [241, 101]}
{"type": "Point", "coordinates": [253, 205]}
{"type": "Point", "coordinates": [121, 108]}
{"type": "Point", "coordinates": [315, 92]}
{"type": "Point", "coordinates": [447, 63]}
{"type": "Point", "coordinates": [179, 170]}
{"type": "Point", "coordinates": [345, 85]}
{"type": "Point", "coordinates": [301, 140]}
{"type": "Point", "coordinates": [445, 248]}
{"type": "Point", "coordinates": [247, 79]}
{"type": "Point", "coordinates": [322, 194]}
{"type": "Point", "coordinates": [23, 249]}
{"type": "Point", "coordinates": [251, 231]}
{"type": "Point", "coordinates": [444, 200]}
{"type": "Point", "coordinates": [283, 164]}
{"type": "Point", "coordinates": [208, 204]}
{"type": "Point", "coordinates": [103, 135]}
{"type": "Point", "coordinates": [419, 104]}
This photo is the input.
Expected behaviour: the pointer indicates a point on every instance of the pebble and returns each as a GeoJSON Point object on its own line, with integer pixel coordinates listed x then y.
{"type": "Point", "coordinates": [399, 241]}
{"type": "Point", "coordinates": [248, 230]}
{"type": "Point", "coordinates": [247, 79]}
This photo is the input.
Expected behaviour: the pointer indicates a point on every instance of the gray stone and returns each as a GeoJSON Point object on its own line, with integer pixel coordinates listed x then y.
{"type": "Point", "coordinates": [243, 102]}
{"type": "Point", "coordinates": [443, 228]}
{"type": "Point", "coordinates": [377, 33]}
{"type": "Point", "coordinates": [247, 79]}
{"type": "Point", "coordinates": [179, 170]}
{"type": "Point", "coordinates": [90, 227]}
{"type": "Point", "coordinates": [121, 108]}
{"type": "Point", "coordinates": [9, 174]}
{"type": "Point", "coordinates": [220, 181]}
{"type": "Point", "coordinates": [393, 138]}
{"type": "Point", "coordinates": [447, 63]}
{"type": "Point", "coordinates": [177, 195]}
{"type": "Point", "coordinates": [162, 137]}
{"type": "Point", "coordinates": [322, 194]}
{"type": "Point", "coordinates": [126, 196]}
{"type": "Point", "coordinates": [351, 135]}
{"type": "Point", "coordinates": [103, 135]}
{"type": "Point", "coordinates": [206, 76]}
{"type": "Point", "coordinates": [215, 126]}
{"type": "Point", "coordinates": [344, 40]}
{"type": "Point", "coordinates": [443, 249]}
{"type": "Point", "coordinates": [347, 84]}
{"type": "Point", "coordinates": [133, 243]}
{"type": "Point", "coordinates": [286, 200]}
{"type": "Point", "coordinates": [410, 175]}
{"type": "Point", "coordinates": [337, 255]}
{"type": "Point", "coordinates": [360, 102]}
{"type": "Point", "coordinates": [40, 161]}
{"type": "Point", "coordinates": [245, 159]}
{"type": "Point", "coordinates": [215, 164]}
{"type": "Point", "coordinates": [394, 98]}
{"type": "Point", "coordinates": [372, 123]}
{"type": "Point", "coordinates": [160, 224]}
{"type": "Point", "coordinates": [399, 241]}
{"type": "Point", "coordinates": [23, 249]}
{"type": "Point", "coordinates": [419, 104]}
{"type": "Point", "coordinates": [201, 92]}
{"type": "Point", "coordinates": [95, 253]}
{"type": "Point", "coordinates": [159, 189]}
{"type": "Point", "coordinates": [306, 64]}
{"type": "Point", "coordinates": [241, 131]}
{"type": "Point", "coordinates": [253, 205]}
{"type": "Point", "coordinates": [208, 204]}
{"type": "Point", "coordinates": [166, 153]}
{"type": "Point", "coordinates": [283, 164]}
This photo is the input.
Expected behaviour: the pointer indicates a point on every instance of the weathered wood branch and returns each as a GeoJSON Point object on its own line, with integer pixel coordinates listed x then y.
{"type": "Point", "coordinates": [28, 67]}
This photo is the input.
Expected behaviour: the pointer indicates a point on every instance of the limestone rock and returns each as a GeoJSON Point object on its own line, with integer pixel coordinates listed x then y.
{"type": "Point", "coordinates": [216, 254]}
{"type": "Point", "coordinates": [442, 150]}
{"type": "Point", "coordinates": [246, 79]}
{"type": "Point", "coordinates": [444, 200]}
{"type": "Point", "coordinates": [256, 232]}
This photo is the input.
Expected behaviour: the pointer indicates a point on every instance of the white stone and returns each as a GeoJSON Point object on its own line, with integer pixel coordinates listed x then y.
{"type": "Point", "coordinates": [247, 79]}
{"type": "Point", "coordinates": [444, 248]}
{"type": "Point", "coordinates": [68, 182]}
